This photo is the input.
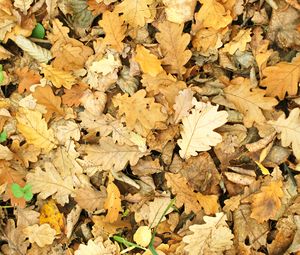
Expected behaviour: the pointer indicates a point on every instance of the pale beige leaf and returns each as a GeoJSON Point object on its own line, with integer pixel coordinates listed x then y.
{"type": "Point", "coordinates": [111, 156]}
{"type": "Point", "coordinates": [23, 5]}
{"type": "Point", "coordinates": [197, 132]}
{"type": "Point", "coordinates": [289, 129]}
{"type": "Point", "coordinates": [106, 65]}
{"type": "Point", "coordinates": [97, 247]}
{"type": "Point", "coordinates": [58, 77]}
{"type": "Point", "coordinates": [249, 101]}
{"type": "Point", "coordinates": [50, 183]}
{"type": "Point", "coordinates": [183, 104]}
{"type": "Point", "coordinates": [179, 11]}
{"type": "Point", "coordinates": [90, 199]}
{"type": "Point", "coordinates": [34, 129]}
{"type": "Point", "coordinates": [35, 51]}
{"type": "Point", "coordinates": [4, 54]}
{"type": "Point", "coordinates": [5, 153]}
{"type": "Point", "coordinates": [213, 237]}
{"type": "Point", "coordinates": [41, 235]}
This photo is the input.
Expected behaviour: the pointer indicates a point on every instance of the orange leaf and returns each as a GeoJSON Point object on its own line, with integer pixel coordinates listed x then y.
{"type": "Point", "coordinates": [113, 202]}
{"type": "Point", "coordinates": [27, 78]}
{"type": "Point", "coordinates": [266, 204]}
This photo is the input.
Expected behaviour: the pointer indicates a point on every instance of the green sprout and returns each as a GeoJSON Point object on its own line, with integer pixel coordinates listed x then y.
{"type": "Point", "coordinates": [20, 192]}
{"type": "Point", "coordinates": [1, 74]}
{"type": "Point", "coordinates": [3, 136]}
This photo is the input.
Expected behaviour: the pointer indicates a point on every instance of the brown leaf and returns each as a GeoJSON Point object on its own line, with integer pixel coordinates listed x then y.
{"type": "Point", "coordinates": [27, 78]}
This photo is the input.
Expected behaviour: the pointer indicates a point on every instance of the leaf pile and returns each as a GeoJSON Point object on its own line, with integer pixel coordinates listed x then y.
{"type": "Point", "coordinates": [149, 127]}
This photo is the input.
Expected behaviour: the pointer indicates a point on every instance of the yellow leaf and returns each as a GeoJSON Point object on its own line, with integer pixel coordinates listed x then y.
{"type": "Point", "coordinates": [142, 236]}
{"type": "Point", "coordinates": [113, 202]}
{"type": "Point", "coordinates": [282, 78]}
{"type": "Point", "coordinates": [34, 128]}
{"type": "Point", "coordinates": [135, 12]}
{"type": "Point", "coordinates": [149, 63]}
{"type": "Point", "coordinates": [249, 101]}
{"type": "Point", "coordinates": [51, 215]}
{"type": "Point", "coordinates": [264, 170]}
{"type": "Point", "coordinates": [58, 77]}
{"type": "Point", "coordinates": [114, 28]}
{"type": "Point", "coordinates": [213, 14]}
{"type": "Point", "coordinates": [266, 203]}
{"type": "Point", "coordinates": [208, 202]}
{"type": "Point", "coordinates": [239, 42]}
{"type": "Point", "coordinates": [173, 44]}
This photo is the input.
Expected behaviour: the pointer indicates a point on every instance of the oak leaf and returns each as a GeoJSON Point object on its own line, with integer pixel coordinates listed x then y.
{"type": "Point", "coordinates": [135, 12]}
{"type": "Point", "coordinates": [282, 78]}
{"type": "Point", "coordinates": [96, 7]}
{"type": "Point", "coordinates": [72, 96]}
{"type": "Point", "coordinates": [58, 77]}
{"type": "Point", "coordinates": [184, 194]}
{"type": "Point", "coordinates": [290, 130]}
{"type": "Point", "coordinates": [106, 65]}
{"type": "Point", "coordinates": [137, 108]}
{"type": "Point", "coordinates": [90, 199]}
{"type": "Point", "coordinates": [179, 11]}
{"type": "Point", "coordinates": [173, 44]}
{"type": "Point", "coordinates": [249, 101]}
{"type": "Point", "coordinates": [114, 28]}
{"type": "Point", "coordinates": [111, 156]}
{"type": "Point", "coordinates": [34, 128]}
{"type": "Point", "coordinates": [239, 42]}
{"type": "Point", "coordinates": [165, 84]}
{"type": "Point", "coordinates": [213, 237]}
{"type": "Point", "coordinates": [41, 235]}
{"type": "Point", "coordinates": [197, 132]}
{"type": "Point", "coordinates": [183, 104]}
{"type": "Point", "coordinates": [4, 53]}
{"type": "Point", "coordinates": [50, 183]}
{"type": "Point", "coordinates": [97, 247]}
{"type": "Point", "coordinates": [149, 63]}
{"type": "Point", "coordinates": [46, 97]}
{"type": "Point", "coordinates": [23, 5]}
{"type": "Point", "coordinates": [213, 14]}
{"type": "Point", "coordinates": [266, 203]}
{"type": "Point", "coordinates": [27, 78]}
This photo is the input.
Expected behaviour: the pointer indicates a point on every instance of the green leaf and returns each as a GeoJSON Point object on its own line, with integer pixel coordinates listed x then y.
{"type": "Point", "coordinates": [28, 196]}
{"type": "Point", "coordinates": [17, 190]}
{"type": "Point", "coordinates": [3, 136]}
{"type": "Point", "coordinates": [27, 192]}
{"type": "Point", "coordinates": [1, 74]}
{"type": "Point", "coordinates": [38, 31]}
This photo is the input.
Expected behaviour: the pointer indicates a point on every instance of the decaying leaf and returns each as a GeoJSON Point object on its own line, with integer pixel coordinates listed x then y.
{"type": "Point", "coordinates": [41, 235]}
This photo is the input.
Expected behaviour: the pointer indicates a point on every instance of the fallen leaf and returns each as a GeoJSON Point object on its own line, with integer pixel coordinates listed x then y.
{"type": "Point", "coordinates": [41, 235]}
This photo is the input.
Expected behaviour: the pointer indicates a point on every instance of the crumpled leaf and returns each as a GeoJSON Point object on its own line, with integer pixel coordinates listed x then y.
{"type": "Point", "coordinates": [213, 237]}
{"type": "Point", "coordinates": [23, 5]}
{"type": "Point", "coordinates": [239, 42]}
{"type": "Point", "coordinates": [197, 133]}
{"type": "Point", "coordinates": [179, 11]}
{"type": "Point", "coordinates": [97, 247]}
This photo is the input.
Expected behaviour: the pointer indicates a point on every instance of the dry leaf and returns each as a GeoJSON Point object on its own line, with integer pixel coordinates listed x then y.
{"type": "Point", "coordinates": [149, 63]}
{"type": "Point", "coordinates": [113, 202]}
{"type": "Point", "coordinates": [197, 133]}
{"type": "Point", "coordinates": [282, 78]}
{"type": "Point", "coordinates": [183, 104]}
{"type": "Point", "coordinates": [97, 247]}
{"type": "Point", "coordinates": [290, 130]}
{"type": "Point", "coordinates": [266, 203]}
{"type": "Point", "coordinates": [179, 11]}
{"type": "Point", "coordinates": [249, 101]}
{"type": "Point", "coordinates": [41, 235]}
{"type": "Point", "coordinates": [173, 44]}
{"type": "Point", "coordinates": [239, 42]}
{"type": "Point", "coordinates": [213, 237]}
{"type": "Point", "coordinates": [27, 78]}
{"type": "Point", "coordinates": [34, 129]}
